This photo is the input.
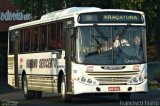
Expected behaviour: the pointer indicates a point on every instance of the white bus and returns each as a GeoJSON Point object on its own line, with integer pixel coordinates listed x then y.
{"type": "Point", "coordinates": [79, 50]}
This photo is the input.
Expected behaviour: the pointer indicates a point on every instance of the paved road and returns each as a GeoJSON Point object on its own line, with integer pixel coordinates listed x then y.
{"type": "Point", "coordinates": [152, 98]}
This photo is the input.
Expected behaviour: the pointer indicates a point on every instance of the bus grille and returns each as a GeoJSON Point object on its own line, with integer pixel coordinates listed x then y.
{"type": "Point", "coordinates": [106, 78]}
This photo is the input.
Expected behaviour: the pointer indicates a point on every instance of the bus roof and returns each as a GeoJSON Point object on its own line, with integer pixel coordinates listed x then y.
{"type": "Point", "coordinates": [69, 12]}
{"type": "Point", "coordinates": [65, 13]}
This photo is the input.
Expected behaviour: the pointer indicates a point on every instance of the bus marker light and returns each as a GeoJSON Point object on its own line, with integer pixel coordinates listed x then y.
{"type": "Point", "coordinates": [89, 69]}
{"type": "Point", "coordinates": [136, 67]}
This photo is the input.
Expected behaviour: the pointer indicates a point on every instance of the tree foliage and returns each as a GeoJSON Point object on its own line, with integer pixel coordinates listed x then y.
{"type": "Point", "coordinates": [39, 7]}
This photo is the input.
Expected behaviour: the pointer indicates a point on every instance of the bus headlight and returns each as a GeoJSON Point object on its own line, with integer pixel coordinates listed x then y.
{"type": "Point", "coordinates": [136, 80]}
{"type": "Point", "coordinates": [83, 79]}
{"type": "Point", "coordinates": [87, 81]}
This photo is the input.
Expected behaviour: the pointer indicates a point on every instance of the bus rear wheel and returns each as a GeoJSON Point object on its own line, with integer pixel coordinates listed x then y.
{"type": "Point", "coordinates": [29, 94]}
{"type": "Point", "coordinates": [65, 97]}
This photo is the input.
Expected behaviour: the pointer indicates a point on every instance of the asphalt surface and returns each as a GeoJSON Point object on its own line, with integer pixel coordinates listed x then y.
{"type": "Point", "coordinates": [12, 97]}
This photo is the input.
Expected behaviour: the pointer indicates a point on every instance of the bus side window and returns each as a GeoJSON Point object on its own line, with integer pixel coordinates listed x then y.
{"type": "Point", "coordinates": [27, 40]}
{"type": "Point", "coordinates": [59, 35]}
{"type": "Point", "coordinates": [11, 42]}
{"type": "Point", "coordinates": [34, 43]}
{"type": "Point", "coordinates": [52, 36]}
{"type": "Point", "coordinates": [21, 41]}
{"type": "Point", "coordinates": [43, 38]}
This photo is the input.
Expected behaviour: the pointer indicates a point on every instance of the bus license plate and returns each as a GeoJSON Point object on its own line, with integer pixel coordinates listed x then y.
{"type": "Point", "coordinates": [113, 88]}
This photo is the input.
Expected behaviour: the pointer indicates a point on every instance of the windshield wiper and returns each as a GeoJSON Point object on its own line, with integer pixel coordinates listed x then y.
{"type": "Point", "coordinates": [100, 32]}
{"type": "Point", "coordinates": [121, 34]}
{"type": "Point", "coordinates": [98, 44]}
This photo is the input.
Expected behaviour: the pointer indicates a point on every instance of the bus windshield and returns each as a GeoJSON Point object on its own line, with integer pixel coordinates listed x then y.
{"type": "Point", "coordinates": [110, 45]}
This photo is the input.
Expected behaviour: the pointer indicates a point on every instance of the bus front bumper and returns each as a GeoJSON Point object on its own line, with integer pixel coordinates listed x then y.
{"type": "Point", "coordinates": [80, 88]}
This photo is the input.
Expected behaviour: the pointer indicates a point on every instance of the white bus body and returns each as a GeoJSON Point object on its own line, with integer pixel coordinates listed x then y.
{"type": "Point", "coordinates": [47, 69]}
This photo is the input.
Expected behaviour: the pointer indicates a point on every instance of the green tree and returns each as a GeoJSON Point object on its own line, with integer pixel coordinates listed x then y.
{"type": "Point", "coordinates": [38, 7]}
{"type": "Point", "coordinates": [90, 3]}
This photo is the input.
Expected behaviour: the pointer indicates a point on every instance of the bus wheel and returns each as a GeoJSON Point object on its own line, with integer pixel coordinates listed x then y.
{"type": "Point", "coordinates": [124, 96]}
{"type": "Point", "coordinates": [27, 93]}
{"type": "Point", "coordinates": [65, 96]}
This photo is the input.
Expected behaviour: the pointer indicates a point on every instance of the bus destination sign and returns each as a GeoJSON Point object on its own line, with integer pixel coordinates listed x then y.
{"type": "Point", "coordinates": [110, 17]}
